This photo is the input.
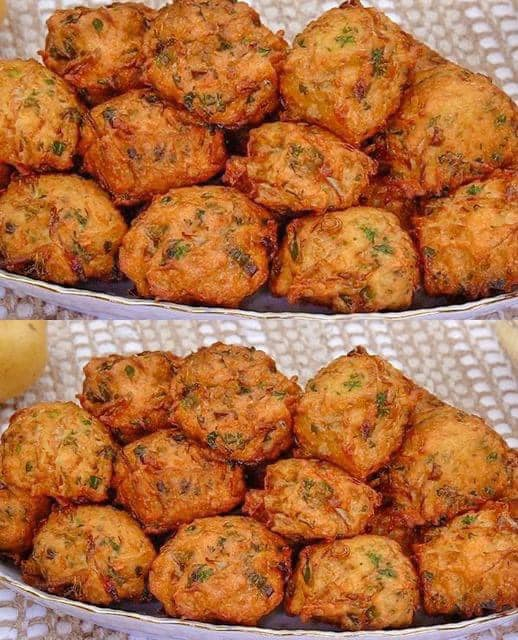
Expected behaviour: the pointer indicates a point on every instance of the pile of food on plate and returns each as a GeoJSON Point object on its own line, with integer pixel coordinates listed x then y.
{"type": "Point", "coordinates": [216, 485]}
{"type": "Point", "coordinates": [349, 169]}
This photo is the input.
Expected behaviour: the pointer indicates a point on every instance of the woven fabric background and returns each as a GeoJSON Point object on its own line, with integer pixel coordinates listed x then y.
{"type": "Point", "coordinates": [482, 35]}
{"type": "Point", "coordinates": [462, 362]}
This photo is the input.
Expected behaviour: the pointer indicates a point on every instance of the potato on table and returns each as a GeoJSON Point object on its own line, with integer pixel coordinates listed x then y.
{"type": "Point", "coordinates": [90, 553]}
{"type": "Point", "coordinates": [137, 145]}
{"type": "Point", "coordinates": [233, 400]}
{"type": "Point", "coordinates": [216, 59]}
{"type": "Point", "coordinates": [98, 51]}
{"type": "Point", "coordinates": [58, 450]}
{"type": "Point", "coordinates": [311, 500]}
{"type": "Point", "coordinates": [205, 245]}
{"type": "Point", "coordinates": [130, 394]}
{"type": "Point", "coordinates": [165, 480]}
{"type": "Point", "coordinates": [365, 582]}
{"type": "Point", "coordinates": [39, 118]}
{"type": "Point", "coordinates": [222, 569]}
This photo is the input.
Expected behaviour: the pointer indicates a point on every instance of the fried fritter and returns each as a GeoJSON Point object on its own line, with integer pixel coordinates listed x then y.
{"type": "Point", "coordinates": [233, 400]}
{"type": "Point", "coordinates": [59, 228]}
{"type": "Point", "coordinates": [93, 554]}
{"type": "Point", "coordinates": [391, 523]}
{"type": "Point", "coordinates": [207, 245]}
{"type": "Point", "coordinates": [469, 241]}
{"type": "Point", "coordinates": [453, 126]}
{"type": "Point", "coordinates": [469, 567]}
{"type": "Point", "coordinates": [354, 260]}
{"type": "Point", "coordinates": [346, 71]}
{"type": "Point", "coordinates": [299, 167]}
{"type": "Point", "coordinates": [450, 461]}
{"type": "Point", "coordinates": [384, 193]}
{"type": "Point", "coordinates": [354, 413]}
{"type": "Point", "coordinates": [364, 582]}
{"type": "Point", "coordinates": [222, 569]}
{"type": "Point", "coordinates": [137, 145]}
{"type": "Point", "coordinates": [165, 480]}
{"type": "Point", "coordinates": [58, 450]}
{"type": "Point", "coordinates": [98, 51]}
{"type": "Point", "coordinates": [215, 58]}
{"type": "Point", "coordinates": [311, 500]}
{"type": "Point", "coordinates": [130, 394]}
{"type": "Point", "coordinates": [39, 118]}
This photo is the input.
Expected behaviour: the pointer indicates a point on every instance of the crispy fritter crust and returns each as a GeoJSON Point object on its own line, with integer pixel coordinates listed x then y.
{"type": "Point", "coordinates": [354, 260]}
{"type": "Point", "coordinates": [469, 566]}
{"type": "Point", "coordinates": [164, 480]}
{"type": "Point", "coordinates": [233, 400]}
{"type": "Point", "coordinates": [98, 51]}
{"type": "Point", "coordinates": [222, 569]}
{"type": "Point", "coordinates": [383, 193]}
{"type": "Point", "coordinates": [469, 241]}
{"type": "Point", "coordinates": [389, 522]}
{"type": "Point", "coordinates": [59, 228]}
{"type": "Point", "coordinates": [354, 413]}
{"type": "Point", "coordinates": [130, 394]}
{"type": "Point", "coordinates": [137, 145]}
{"type": "Point", "coordinates": [311, 500]}
{"type": "Point", "coordinates": [298, 167]}
{"type": "Point", "coordinates": [215, 59]}
{"type": "Point", "coordinates": [364, 582]}
{"type": "Point", "coordinates": [453, 126]}
{"type": "Point", "coordinates": [58, 450]}
{"type": "Point", "coordinates": [346, 72]}
{"type": "Point", "coordinates": [39, 118]}
{"type": "Point", "coordinates": [93, 554]}
{"type": "Point", "coordinates": [450, 461]}
{"type": "Point", "coordinates": [207, 245]}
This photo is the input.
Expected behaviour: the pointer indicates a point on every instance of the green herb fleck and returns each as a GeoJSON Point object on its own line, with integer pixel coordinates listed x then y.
{"type": "Point", "coordinates": [346, 37]}
{"type": "Point", "coordinates": [129, 371]}
{"type": "Point", "coordinates": [467, 520]}
{"type": "Point", "coordinates": [379, 64]}
{"type": "Point", "coordinates": [381, 404]}
{"type": "Point", "coordinates": [201, 574]}
{"type": "Point", "coordinates": [98, 25]}
{"type": "Point", "coordinates": [94, 481]}
{"type": "Point", "coordinates": [473, 190]}
{"type": "Point", "coordinates": [353, 382]}
{"type": "Point", "coordinates": [58, 147]}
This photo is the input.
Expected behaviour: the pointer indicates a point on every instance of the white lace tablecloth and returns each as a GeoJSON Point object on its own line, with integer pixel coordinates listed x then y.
{"type": "Point", "coordinates": [462, 362]}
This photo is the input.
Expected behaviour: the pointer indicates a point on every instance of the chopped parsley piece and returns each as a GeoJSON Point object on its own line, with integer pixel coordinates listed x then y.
{"type": "Point", "coordinates": [129, 371]}
{"type": "Point", "coordinates": [346, 37]}
{"type": "Point", "coordinates": [467, 520]}
{"type": "Point", "coordinates": [294, 249]}
{"type": "Point", "coordinates": [306, 573]}
{"type": "Point", "coordinates": [353, 382]}
{"type": "Point", "coordinates": [176, 250]}
{"type": "Point", "coordinates": [381, 404]}
{"type": "Point", "coordinates": [261, 583]}
{"type": "Point", "coordinates": [94, 481]}
{"type": "Point", "coordinates": [58, 147]}
{"type": "Point", "coordinates": [244, 260]}
{"type": "Point", "coordinates": [264, 51]}
{"type": "Point", "coordinates": [201, 574]}
{"type": "Point", "coordinates": [473, 190]}
{"type": "Point", "coordinates": [98, 25]}
{"type": "Point", "coordinates": [379, 64]}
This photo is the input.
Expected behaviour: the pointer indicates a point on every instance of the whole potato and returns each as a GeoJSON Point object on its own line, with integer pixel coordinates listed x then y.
{"type": "Point", "coordinates": [23, 355]}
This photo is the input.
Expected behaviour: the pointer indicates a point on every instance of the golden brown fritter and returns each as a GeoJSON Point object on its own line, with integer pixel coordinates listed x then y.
{"type": "Point", "coordinates": [391, 523]}
{"type": "Point", "coordinates": [299, 167]}
{"type": "Point", "coordinates": [164, 480]}
{"type": "Point", "coordinates": [59, 228]}
{"type": "Point", "coordinates": [215, 58]}
{"type": "Point", "coordinates": [354, 413]}
{"type": "Point", "coordinates": [233, 400]}
{"type": "Point", "coordinates": [94, 554]}
{"type": "Point", "coordinates": [206, 245]}
{"type": "Point", "coordinates": [450, 461]}
{"type": "Point", "coordinates": [98, 51]}
{"type": "Point", "coordinates": [453, 126]}
{"type": "Point", "coordinates": [58, 450]}
{"type": "Point", "coordinates": [222, 569]}
{"type": "Point", "coordinates": [383, 193]}
{"type": "Point", "coordinates": [346, 71]}
{"type": "Point", "coordinates": [39, 118]}
{"type": "Point", "coordinates": [5, 176]}
{"type": "Point", "coordinates": [469, 241]}
{"type": "Point", "coordinates": [355, 260]}
{"type": "Point", "coordinates": [137, 145]}
{"type": "Point", "coordinates": [469, 567]}
{"type": "Point", "coordinates": [130, 394]}
{"type": "Point", "coordinates": [364, 582]}
{"type": "Point", "coordinates": [311, 500]}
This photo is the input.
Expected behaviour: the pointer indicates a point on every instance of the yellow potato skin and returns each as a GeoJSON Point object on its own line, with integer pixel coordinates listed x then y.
{"type": "Point", "coordinates": [58, 450]}
{"type": "Point", "coordinates": [365, 582]}
{"type": "Point", "coordinates": [354, 413]}
{"type": "Point", "coordinates": [469, 566]}
{"type": "Point", "coordinates": [346, 72]}
{"type": "Point", "coordinates": [233, 400]}
{"type": "Point", "coordinates": [295, 167]}
{"type": "Point", "coordinates": [165, 480]}
{"type": "Point", "coordinates": [306, 500]}
{"type": "Point", "coordinates": [90, 553]}
{"type": "Point", "coordinates": [355, 260]}
{"type": "Point", "coordinates": [223, 569]}
{"type": "Point", "coordinates": [468, 241]}
{"type": "Point", "coordinates": [39, 118]}
{"type": "Point", "coordinates": [130, 394]}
